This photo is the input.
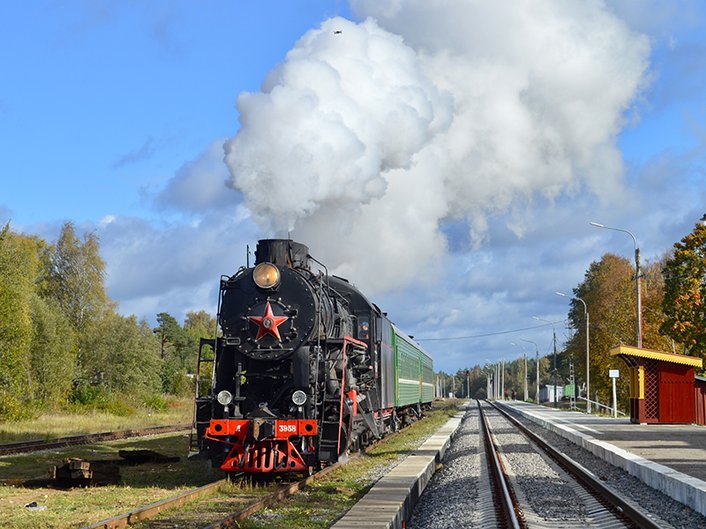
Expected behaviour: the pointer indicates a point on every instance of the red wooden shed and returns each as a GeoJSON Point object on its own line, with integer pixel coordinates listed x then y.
{"type": "Point", "coordinates": [661, 385]}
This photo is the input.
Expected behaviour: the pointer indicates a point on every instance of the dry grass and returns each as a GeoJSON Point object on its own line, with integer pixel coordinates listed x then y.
{"type": "Point", "coordinates": [141, 484]}
{"type": "Point", "coordinates": [317, 507]}
{"type": "Point", "coordinates": [59, 424]}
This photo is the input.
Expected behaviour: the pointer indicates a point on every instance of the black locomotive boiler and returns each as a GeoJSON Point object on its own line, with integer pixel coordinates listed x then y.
{"type": "Point", "coordinates": [305, 368]}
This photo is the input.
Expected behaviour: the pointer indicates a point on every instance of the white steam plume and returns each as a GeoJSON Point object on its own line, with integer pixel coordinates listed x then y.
{"type": "Point", "coordinates": [363, 142]}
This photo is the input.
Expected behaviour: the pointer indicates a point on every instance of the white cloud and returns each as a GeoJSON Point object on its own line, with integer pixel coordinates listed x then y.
{"type": "Point", "coordinates": [366, 142]}
{"type": "Point", "coordinates": [172, 268]}
{"type": "Point", "coordinates": [200, 185]}
{"type": "Point", "coordinates": [446, 157]}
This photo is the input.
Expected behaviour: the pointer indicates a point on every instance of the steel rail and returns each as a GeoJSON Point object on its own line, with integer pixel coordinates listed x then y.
{"type": "Point", "coordinates": [585, 477]}
{"type": "Point", "coordinates": [153, 509]}
{"type": "Point", "coordinates": [232, 520]}
{"type": "Point", "coordinates": [22, 447]}
{"type": "Point", "coordinates": [505, 495]}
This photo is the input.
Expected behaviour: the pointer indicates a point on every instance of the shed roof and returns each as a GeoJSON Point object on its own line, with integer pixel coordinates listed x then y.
{"type": "Point", "coordinates": [656, 355]}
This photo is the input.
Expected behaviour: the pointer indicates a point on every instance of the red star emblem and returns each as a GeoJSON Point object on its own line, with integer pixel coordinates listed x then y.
{"type": "Point", "coordinates": [268, 323]}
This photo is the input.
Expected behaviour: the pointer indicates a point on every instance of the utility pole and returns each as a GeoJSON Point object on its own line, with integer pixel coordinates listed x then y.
{"type": "Point", "coordinates": [554, 362]}
{"type": "Point", "coordinates": [588, 351]}
{"type": "Point", "coordinates": [536, 351]}
{"type": "Point", "coordinates": [555, 392]}
{"type": "Point", "coordinates": [502, 378]}
{"type": "Point", "coordinates": [536, 396]}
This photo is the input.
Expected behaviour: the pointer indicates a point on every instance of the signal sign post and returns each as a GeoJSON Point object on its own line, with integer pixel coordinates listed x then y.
{"type": "Point", "coordinates": [614, 374]}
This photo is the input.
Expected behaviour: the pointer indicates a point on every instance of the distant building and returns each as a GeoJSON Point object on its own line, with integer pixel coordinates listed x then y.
{"type": "Point", "coordinates": [546, 394]}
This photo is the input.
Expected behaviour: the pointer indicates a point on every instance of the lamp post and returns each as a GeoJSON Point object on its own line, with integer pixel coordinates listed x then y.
{"type": "Point", "coordinates": [588, 373]}
{"type": "Point", "coordinates": [554, 341]}
{"type": "Point", "coordinates": [536, 350]}
{"type": "Point", "coordinates": [638, 275]}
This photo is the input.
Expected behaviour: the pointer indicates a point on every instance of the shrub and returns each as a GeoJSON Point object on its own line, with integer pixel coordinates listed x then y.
{"type": "Point", "coordinates": [87, 394]}
{"type": "Point", "coordinates": [86, 397]}
{"type": "Point", "coordinates": [13, 409]}
{"type": "Point", "coordinates": [116, 406]}
{"type": "Point", "coordinates": [155, 402]}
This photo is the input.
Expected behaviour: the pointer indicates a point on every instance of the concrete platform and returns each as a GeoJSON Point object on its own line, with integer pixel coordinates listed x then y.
{"type": "Point", "coordinates": [391, 500]}
{"type": "Point", "coordinates": [668, 457]}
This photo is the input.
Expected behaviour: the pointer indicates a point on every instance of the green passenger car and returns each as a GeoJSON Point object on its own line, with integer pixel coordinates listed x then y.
{"type": "Point", "coordinates": [414, 373]}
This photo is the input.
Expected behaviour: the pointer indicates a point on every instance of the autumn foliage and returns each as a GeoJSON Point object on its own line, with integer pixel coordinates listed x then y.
{"type": "Point", "coordinates": [685, 292]}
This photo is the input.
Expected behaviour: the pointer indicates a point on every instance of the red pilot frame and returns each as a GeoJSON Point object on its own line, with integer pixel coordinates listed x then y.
{"type": "Point", "coordinates": [262, 445]}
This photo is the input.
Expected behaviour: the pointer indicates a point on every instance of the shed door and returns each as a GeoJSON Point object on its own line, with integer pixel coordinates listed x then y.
{"type": "Point", "coordinates": [676, 399]}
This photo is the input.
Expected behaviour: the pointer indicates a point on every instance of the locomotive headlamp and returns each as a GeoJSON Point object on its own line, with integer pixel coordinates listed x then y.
{"type": "Point", "coordinates": [266, 275]}
{"type": "Point", "coordinates": [224, 397]}
{"type": "Point", "coordinates": [299, 397]}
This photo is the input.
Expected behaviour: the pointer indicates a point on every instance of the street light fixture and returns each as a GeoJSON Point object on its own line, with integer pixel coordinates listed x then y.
{"type": "Point", "coordinates": [554, 339]}
{"type": "Point", "coordinates": [536, 350]}
{"type": "Point", "coordinates": [588, 372]}
{"type": "Point", "coordinates": [638, 275]}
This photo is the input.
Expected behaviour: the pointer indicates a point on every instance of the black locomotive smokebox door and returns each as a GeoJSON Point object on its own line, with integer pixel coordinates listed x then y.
{"type": "Point", "coordinates": [242, 301]}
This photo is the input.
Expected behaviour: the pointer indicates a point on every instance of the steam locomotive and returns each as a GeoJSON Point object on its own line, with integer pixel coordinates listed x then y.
{"type": "Point", "coordinates": [306, 368]}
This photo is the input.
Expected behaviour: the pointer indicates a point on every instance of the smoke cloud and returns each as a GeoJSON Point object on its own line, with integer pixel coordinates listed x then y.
{"type": "Point", "coordinates": [371, 136]}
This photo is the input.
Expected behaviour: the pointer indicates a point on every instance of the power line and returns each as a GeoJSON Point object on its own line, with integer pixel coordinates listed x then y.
{"type": "Point", "coordinates": [486, 334]}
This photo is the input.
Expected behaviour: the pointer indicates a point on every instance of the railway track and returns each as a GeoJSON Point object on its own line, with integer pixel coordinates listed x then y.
{"type": "Point", "coordinates": [231, 521]}
{"type": "Point", "coordinates": [60, 442]}
{"type": "Point", "coordinates": [546, 489]}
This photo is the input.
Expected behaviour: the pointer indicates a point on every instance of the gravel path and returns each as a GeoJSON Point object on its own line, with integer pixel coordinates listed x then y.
{"type": "Point", "coordinates": [450, 499]}
{"type": "Point", "coordinates": [457, 494]}
{"type": "Point", "coordinates": [548, 497]}
{"type": "Point", "coordinates": [666, 511]}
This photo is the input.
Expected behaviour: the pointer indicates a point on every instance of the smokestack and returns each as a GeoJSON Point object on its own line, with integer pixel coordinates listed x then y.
{"type": "Point", "coordinates": [282, 252]}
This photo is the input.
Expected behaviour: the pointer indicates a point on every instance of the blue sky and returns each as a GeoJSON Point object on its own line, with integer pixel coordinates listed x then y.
{"type": "Point", "coordinates": [456, 133]}
{"type": "Point", "coordinates": [103, 101]}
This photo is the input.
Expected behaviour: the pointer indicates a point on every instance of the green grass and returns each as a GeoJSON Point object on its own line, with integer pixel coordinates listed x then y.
{"type": "Point", "coordinates": [60, 424]}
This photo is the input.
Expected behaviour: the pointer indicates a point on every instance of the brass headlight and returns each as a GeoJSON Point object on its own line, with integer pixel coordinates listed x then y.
{"type": "Point", "coordinates": [266, 275]}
